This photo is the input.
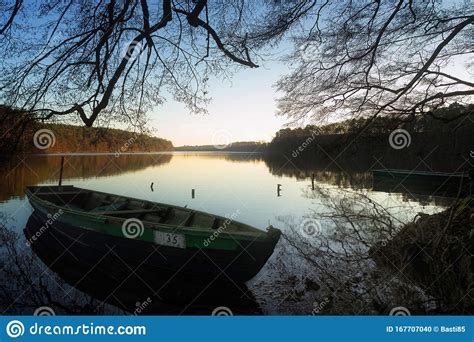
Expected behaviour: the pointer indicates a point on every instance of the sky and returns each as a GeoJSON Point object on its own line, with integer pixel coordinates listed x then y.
{"type": "Point", "coordinates": [242, 109]}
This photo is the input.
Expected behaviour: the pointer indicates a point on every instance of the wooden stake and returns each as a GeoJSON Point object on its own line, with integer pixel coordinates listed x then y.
{"type": "Point", "coordinates": [61, 171]}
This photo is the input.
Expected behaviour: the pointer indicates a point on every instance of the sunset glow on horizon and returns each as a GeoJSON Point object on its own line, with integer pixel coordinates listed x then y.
{"type": "Point", "coordinates": [243, 108]}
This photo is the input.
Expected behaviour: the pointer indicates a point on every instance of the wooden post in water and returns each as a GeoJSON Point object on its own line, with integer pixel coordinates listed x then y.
{"type": "Point", "coordinates": [312, 181]}
{"type": "Point", "coordinates": [278, 190]}
{"type": "Point", "coordinates": [192, 193]}
{"type": "Point", "coordinates": [61, 171]}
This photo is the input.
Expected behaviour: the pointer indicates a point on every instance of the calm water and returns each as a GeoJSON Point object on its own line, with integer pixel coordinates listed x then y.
{"type": "Point", "coordinates": [224, 184]}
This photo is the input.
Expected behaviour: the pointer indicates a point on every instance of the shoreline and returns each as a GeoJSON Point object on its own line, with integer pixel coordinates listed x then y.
{"type": "Point", "coordinates": [132, 153]}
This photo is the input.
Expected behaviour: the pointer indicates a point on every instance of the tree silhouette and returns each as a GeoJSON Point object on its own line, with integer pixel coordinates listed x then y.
{"type": "Point", "coordinates": [115, 57]}
{"type": "Point", "coordinates": [370, 58]}
{"type": "Point", "coordinates": [113, 60]}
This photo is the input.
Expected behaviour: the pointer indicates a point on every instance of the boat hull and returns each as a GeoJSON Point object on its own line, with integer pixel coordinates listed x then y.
{"type": "Point", "coordinates": [419, 182]}
{"type": "Point", "coordinates": [195, 264]}
{"type": "Point", "coordinates": [110, 279]}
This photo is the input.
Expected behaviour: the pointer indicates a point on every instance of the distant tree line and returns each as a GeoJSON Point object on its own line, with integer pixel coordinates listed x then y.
{"type": "Point", "coordinates": [241, 146]}
{"type": "Point", "coordinates": [444, 135]}
{"type": "Point", "coordinates": [442, 119]}
{"type": "Point", "coordinates": [18, 131]}
{"type": "Point", "coordinates": [41, 170]}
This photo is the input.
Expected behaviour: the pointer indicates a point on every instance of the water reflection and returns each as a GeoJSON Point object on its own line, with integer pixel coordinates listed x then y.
{"type": "Point", "coordinates": [224, 183]}
{"type": "Point", "coordinates": [26, 284]}
{"type": "Point", "coordinates": [355, 176]}
{"type": "Point", "coordinates": [135, 289]}
{"type": "Point", "coordinates": [323, 267]}
{"type": "Point", "coordinates": [326, 173]}
{"type": "Point", "coordinates": [31, 170]}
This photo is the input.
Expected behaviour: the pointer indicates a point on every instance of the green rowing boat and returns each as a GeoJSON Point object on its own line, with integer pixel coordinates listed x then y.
{"type": "Point", "coordinates": [421, 182]}
{"type": "Point", "coordinates": [160, 236]}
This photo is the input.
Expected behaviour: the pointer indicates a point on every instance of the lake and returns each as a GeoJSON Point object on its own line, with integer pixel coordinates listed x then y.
{"type": "Point", "coordinates": [253, 188]}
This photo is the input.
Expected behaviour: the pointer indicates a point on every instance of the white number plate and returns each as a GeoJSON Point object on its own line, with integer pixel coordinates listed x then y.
{"type": "Point", "coordinates": [170, 239]}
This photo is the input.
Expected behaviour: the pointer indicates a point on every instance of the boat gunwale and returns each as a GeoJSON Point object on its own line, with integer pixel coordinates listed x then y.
{"type": "Point", "coordinates": [409, 173]}
{"type": "Point", "coordinates": [197, 231]}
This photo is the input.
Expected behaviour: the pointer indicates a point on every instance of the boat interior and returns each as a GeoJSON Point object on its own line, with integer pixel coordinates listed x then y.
{"type": "Point", "coordinates": [124, 207]}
